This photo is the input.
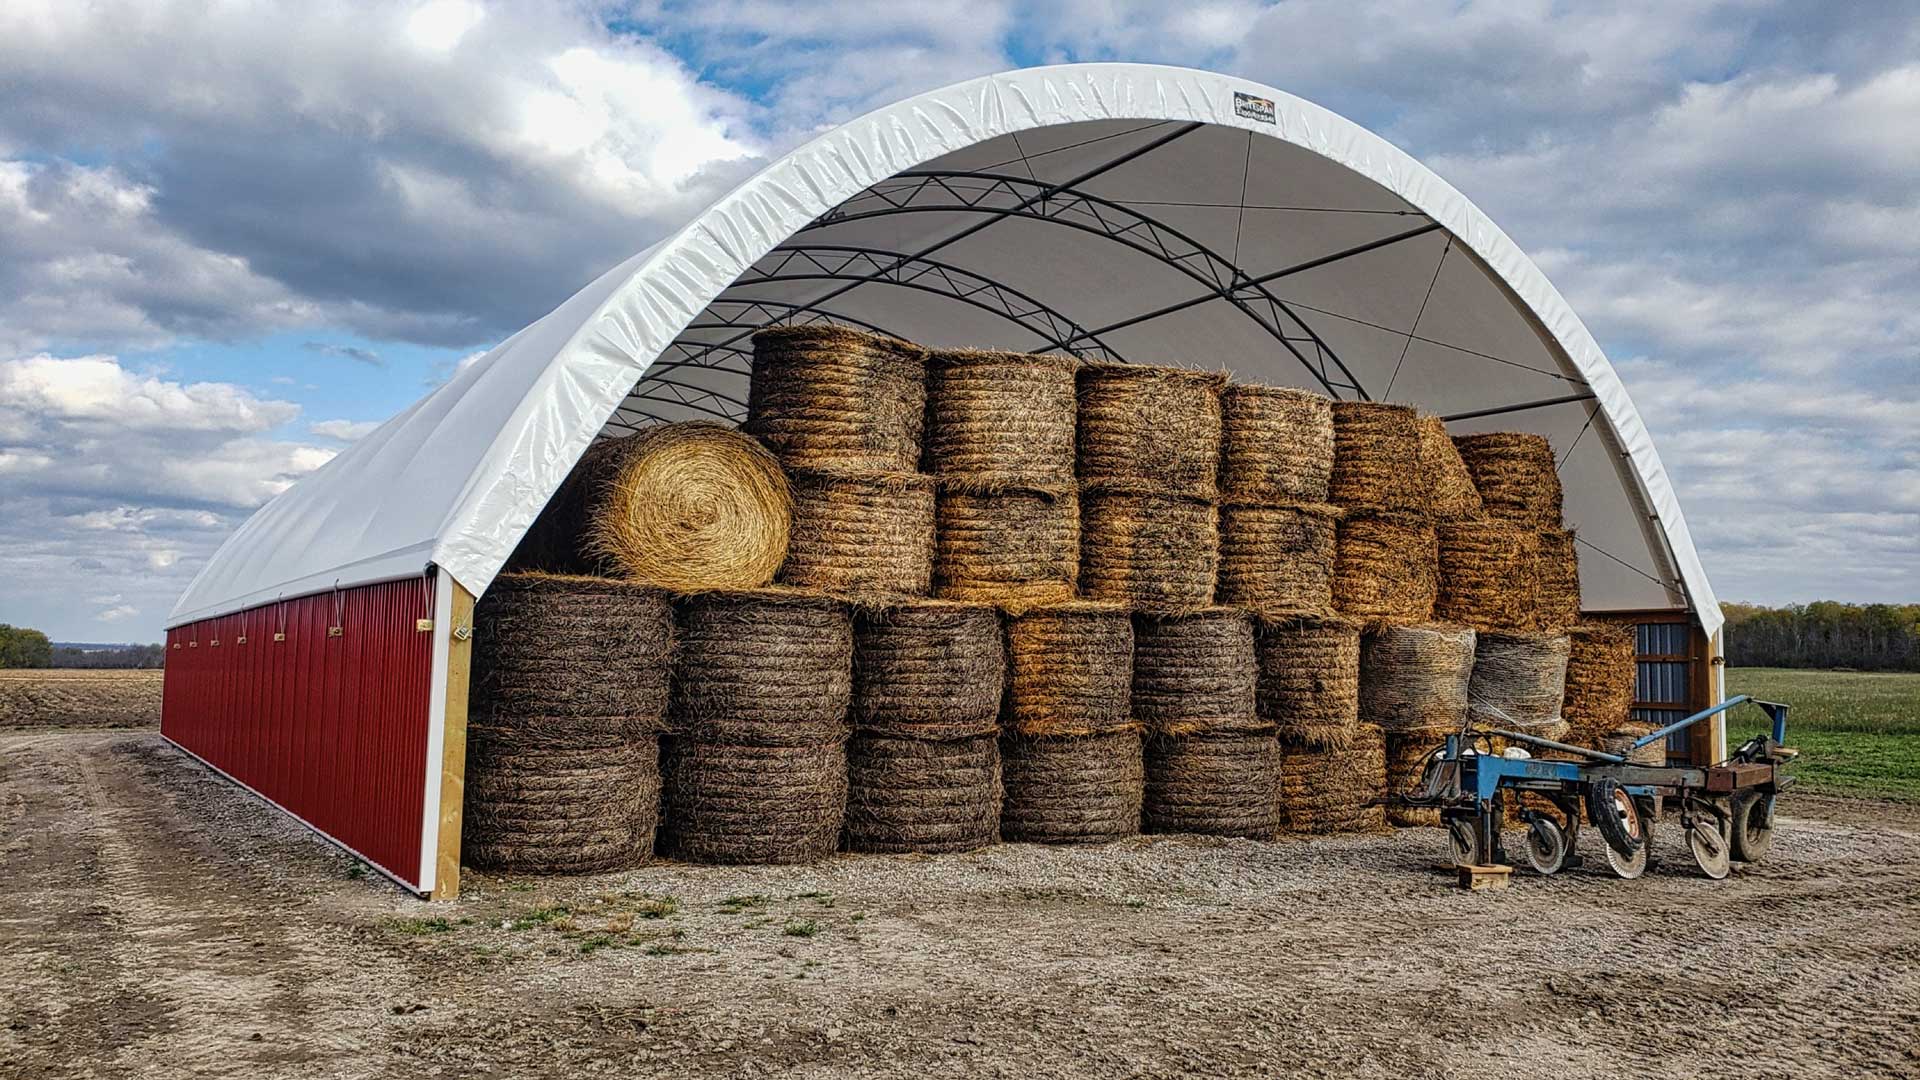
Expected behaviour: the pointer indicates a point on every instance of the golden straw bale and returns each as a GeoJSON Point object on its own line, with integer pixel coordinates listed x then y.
{"type": "Point", "coordinates": [1076, 790]}
{"type": "Point", "coordinates": [1557, 577]}
{"type": "Point", "coordinates": [1156, 428]}
{"type": "Point", "coordinates": [765, 667]}
{"type": "Point", "coordinates": [922, 795]}
{"type": "Point", "coordinates": [1195, 673]}
{"type": "Point", "coordinates": [1276, 445]}
{"type": "Point", "coordinates": [1001, 417]}
{"type": "Point", "coordinates": [1015, 547]}
{"type": "Point", "coordinates": [1515, 475]}
{"type": "Point", "coordinates": [1277, 560]}
{"type": "Point", "coordinates": [861, 536]}
{"type": "Point", "coordinates": [1309, 681]}
{"type": "Point", "coordinates": [1149, 550]}
{"type": "Point", "coordinates": [1601, 670]}
{"type": "Point", "coordinates": [1070, 670]}
{"type": "Point", "coordinates": [1451, 494]}
{"type": "Point", "coordinates": [1518, 681]}
{"type": "Point", "coordinates": [1334, 790]}
{"type": "Point", "coordinates": [1376, 458]}
{"type": "Point", "coordinates": [1215, 784]}
{"type": "Point", "coordinates": [929, 669]}
{"type": "Point", "coordinates": [752, 804]}
{"type": "Point", "coordinates": [1487, 572]}
{"type": "Point", "coordinates": [1416, 678]}
{"type": "Point", "coordinates": [831, 398]}
{"type": "Point", "coordinates": [1386, 568]}
{"type": "Point", "coordinates": [1622, 738]}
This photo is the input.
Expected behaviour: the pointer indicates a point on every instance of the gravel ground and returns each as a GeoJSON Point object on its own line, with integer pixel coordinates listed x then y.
{"type": "Point", "coordinates": [158, 922]}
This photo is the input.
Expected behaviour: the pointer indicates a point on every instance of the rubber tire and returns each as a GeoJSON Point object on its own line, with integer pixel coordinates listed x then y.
{"type": "Point", "coordinates": [1556, 858]}
{"type": "Point", "coordinates": [1601, 807]}
{"type": "Point", "coordinates": [1747, 845]}
{"type": "Point", "coordinates": [1455, 834]}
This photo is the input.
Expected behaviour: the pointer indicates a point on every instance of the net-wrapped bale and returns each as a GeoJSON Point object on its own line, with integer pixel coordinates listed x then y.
{"type": "Point", "coordinates": [1515, 475]}
{"type": "Point", "coordinates": [1077, 790]}
{"type": "Point", "coordinates": [1195, 673]}
{"type": "Point", "coordinates": [1451, 495]}
{"type": "Point", "coordinates": [1386, 567]}
{"type": "Point", "coordinates": [1309, 679]}
{"type": "Point", "coordinates": [1518, 681]}
{"type": "Point", "coordinates": [1153, 428]}
{"type": "Point", "coordinates": [831, 398]}
{"type": "Point", "coordinates": [536, 808]}
{"type": "Point", "coordinates": [1557, 580]}
{"type": "Point", "coordinates": [861, 536]}
{"type": "Point", "coordinates": [1217, 784]}
{"type": "Point", "coordinates": [921, 795]}
{"type": "Point", "coordinates": [1415, 678]}
{"type": "Point", "coordinates": [1621, 739]}
{"type": "Point", "coordinates": [763, 667]}
{"type": "Point", "coordinates": [1001, 418]}
{"type": "Point", "coordinates": [1276, 446]}
{"type": "Point", "coordinates": [1334, 790]}
{"type": "Point", "coordinates": [1601, 670]}
{"type": "Point", "coordinates": [1406, 763]}
{"type": "Point", "coordinates": [1277, 559]}
{"type": "Point", "coordinates": [1487, 574]}
{"type": "Point", "coordinates": [1070, 670]}
{"type": "Point", "coordinates": [1148, 550]}
{"type": "Point", "coordinates": [1015, 547]}
{"type": "Point", "coordinates": [1376, 458]}
{"type": "Point", "coordinates": [928, 669]}
{"type": "Point", "coordinates": [731, 804]}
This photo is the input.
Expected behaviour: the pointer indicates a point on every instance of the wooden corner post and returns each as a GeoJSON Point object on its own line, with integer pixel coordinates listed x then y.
{"type": "Point", "coordinates": [453, 748]}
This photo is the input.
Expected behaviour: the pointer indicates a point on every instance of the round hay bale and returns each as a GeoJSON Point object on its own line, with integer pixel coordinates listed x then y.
{"type": "Point", "coordinates": [1334, 790]}
{"type": "Point", "coordinates": [1276, 445]}
{"type": "Point", "coordinates": [1001, 418]}
{"type": "Point", "coordinates": [1451, 495]}
{"type": "Point", "coordinates": [828, 398]}
{"type": "Point", "coordinates": [1152, 428]}
{"type": "Point", "coordinates": [1070, 670]}
{"type": "Point", "coordinates": [861, 536]}
{"type": "Point", "coordinates": [1519, 680]}
{"type": "Point", "coordinates": [752, 804]}
{"type": "Point", "coordinates": [1195, 673]}
{"type": "Point", "coordinates": [1415, 678]}
{"type": "Point", "coordinates": [1080, 790]}
{"type": "Point", "coordinates": [1217, 784]}
{"type": "Point", "coordinates": [1486, 574]}
{"type": "Point", "coordinates": [1015, 547]}
{"type": "Point", "coordinates": [765, 667]}
{"type": "Point", "coordinates": [1621, 739]}
{"type": "Point", "coordinates": [1386, 567]}
{"type": "Point", "coordinates": [1557, 580]}
{"type": "Point", "coordinates": [928, 669]}
{"type": "Point", "coordinates": [1406, 763]}
{"type": "Point", "coordinates": [1602, 668]}
{"type": "Point", "coordinates": [1376, 458]}
{"type": "Point", "coordinates": [1309, 680]}
{"type": "Point", "coordinates": [908, 795]}
{"type": "Point", "coordinates": [542, 809]}
{"type": "Point", "coordinates": [1278, 560]}
{"type": "Point", "coordinates": [570, 661]}
{"type": "Point", "coordinates": [1148, 550]}
{"type": "Point", "coordinates": [1515, 475]}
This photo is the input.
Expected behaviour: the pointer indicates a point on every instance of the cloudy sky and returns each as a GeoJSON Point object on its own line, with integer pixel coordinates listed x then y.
{"type": "Point", "coordinates": [233, 240]}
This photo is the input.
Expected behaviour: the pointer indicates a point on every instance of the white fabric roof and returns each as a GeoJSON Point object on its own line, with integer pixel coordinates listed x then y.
{"type": "Point", "coordinates": [1119, 209]}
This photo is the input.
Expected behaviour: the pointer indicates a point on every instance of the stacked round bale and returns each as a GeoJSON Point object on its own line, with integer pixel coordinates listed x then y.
{"type": "Point", "coordinates": [1519, 681]}
{"type": "Point", "coordinates": [1211, 760]}
{"type": "Point", "coordinates": [1386, 562]}
{"type": "Point", "coordinates": [756, 768]}
{"type": "Point", "coordinates": [1601, 672]}
{"type": "Point", "coordinates": [1072, 758]}
{"type": "Point", "coordinates": [563, 772]}
{"type": "Point", "coordinates": [1277, 529]}
{"type": "Point", "coordinates": [1519, 485]}
{"type": "Point", "coordinates": [1414, 685]}
{"type": "Point", "coordinates": [1332, 771]}
{"type": "Point", "coordinates": [923, 766]}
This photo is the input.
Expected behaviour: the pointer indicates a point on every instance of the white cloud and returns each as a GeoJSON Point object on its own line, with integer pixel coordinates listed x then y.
{"type": "Point", "coordinates": [116, 613]}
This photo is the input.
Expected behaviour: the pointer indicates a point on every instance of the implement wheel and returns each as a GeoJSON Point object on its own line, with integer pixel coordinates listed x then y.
{"type": "Point", "coordinates": [1546, 845]}
{"type": "Point", "coordinates": [1712, 847]}
{"type": "Point", "coordinates": [1752, 825]}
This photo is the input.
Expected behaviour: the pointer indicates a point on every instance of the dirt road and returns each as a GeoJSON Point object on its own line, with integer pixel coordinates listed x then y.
{"type": "Point", "coordinates": [157, 922]}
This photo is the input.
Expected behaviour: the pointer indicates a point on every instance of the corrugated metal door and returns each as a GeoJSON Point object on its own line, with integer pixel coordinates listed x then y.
{"type": "Point", "coordinates": [1670, 685]}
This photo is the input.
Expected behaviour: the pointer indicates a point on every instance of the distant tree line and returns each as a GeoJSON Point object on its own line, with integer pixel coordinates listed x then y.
{"type": "Point", "coordinates": [21, 647]}
{"type": "Point", "coordinates": [1823, 634]}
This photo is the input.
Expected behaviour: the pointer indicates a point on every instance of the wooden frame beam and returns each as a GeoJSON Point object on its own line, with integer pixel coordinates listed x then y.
{"type": "Point", "coordinates": [453, 748]}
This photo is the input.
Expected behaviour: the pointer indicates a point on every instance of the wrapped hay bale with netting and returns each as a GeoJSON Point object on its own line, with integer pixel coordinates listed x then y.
{"type": "Point", "coordinates": [1415, 678]}
{"type": "Point", "coordinates": [1222, 783]}
{"type": "Point", "coordinates": [1451, 495]}
{"type": "Point", "coordinates": [1075, 790]}
{"type": "Point", "coordinates": [1515, 475]}
{"type": "Point", "coordinates": [1149, 428]}
{"type": "Point", "coordinates": [1015, 547]}
{"type": "Point", "coordinates": [922, 795]}
{"type": "Point", "coordinates": [928, 669]}
{"type": "Point", "coordinates": [762, 667]}
{"type": "Point", "coordinates": [1070, 670]}
{"type": "Point", "coordinates": [863, 536]}
{"type": "Point", "coordinates": [1276, 446]}
{"type": "Point", "coordinates": [1149, 550]}
{"type": "Point", "coordinates": [685, 507]}
{"type": "Point", "coordinates": [1001, 418]}
{"type": "Point", "coordinates": [1309, 679]}
{"type": "Point", "coordinates": [1334, 790]}
{"type": "Point", "coordinates": [1621, 739]}
{"type": "Point", "coordinates": [556, 809]}
{"type": "Point", "coordinates": [828, 398]}
{"type": "Point", "coordinates": [1601, 670]}
{"type": "Point", "coordinates": [1278, 559]}
{"type": "Point", "coordinates": [1487, 574]}
{"type": "Point", "coordinates": [1376, 458]}
{"type": "Point", "coordinates": [1518, 681]}
{"type": "Point", "coordinates": [734, 804]}
{"type": "Point", "coordinates": [1195, 674]}
{"type": "Point", "coordinates": [1557, 577]}
{"type": "Point", "coordinates": [1406, 763]}
{"type": "Point", "coordinates": [1386, 567]}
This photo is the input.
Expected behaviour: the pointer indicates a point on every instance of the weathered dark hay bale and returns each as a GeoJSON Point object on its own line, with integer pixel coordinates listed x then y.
{"type": "Point", "coordinates": [1218, 784]}
{"type": "Point", "coordinates": [922, 795]}
{"type": "Point", "coordinates": [1001, 418]}
{"type": "Point", "coordinates": [544, 809]}
{"type": "Point", "coordinates": [1015, 547]}
{"type": "Point", "coordinates": [861, 536]}
{"type": "Point", "coordinates": [1515, 475]}
{"type": "Point", "coordinates": [765, 667]}
{"type": "Point", "coordinates": [1487, 574]}
{"type": "Point", "coordinates": [1276, 446]}
{"type": "Point", "coordinates": [1406, 763]}
{"type": "Point", "coordinates": [1334, 790]}
{"type": "Point", "coordinates": [1309, 682]}
{"type": "Point", "coordinates": [1079, 790]}
{"type": "Point", "coordinates": [1415, 678]}
{"type": "Point", "coordinates": [1376, 458]}
{"type": "Point", "coordinates": [1451, 495]}
{"type": "Point", "coordinates": [1518, 680]}
{"type": "Point", "coordinates": [1070, 670]}
{"type": "Point", "coordinates": [1148, 550]}
{"type": "Point", "coordinates": [1601, 671]}
{"type": "Point", "coordinates": [1151, 428]}
{"type": "Point", "coordinates": [1622, 738]}
{"type": "Point", "coordinates": [752, 804]}
{"type": "Point", "coordinates": [1278, 560]}
{"type": "Point", "coordinates": [829, 398]}
{"type": "Point", "coordinates": [928, 669]}
{"type": "Point", "coordinates": [1557, 577]}
{"type": "Point", "coordinates": [1195, 673]}
{"type": "Point", "coordinates": [1386, 567]}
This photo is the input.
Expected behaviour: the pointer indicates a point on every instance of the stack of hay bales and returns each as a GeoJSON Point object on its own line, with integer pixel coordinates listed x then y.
{"type": "Point", "coordinates": [1332, 766]}
{"type": "Point", "coordinates": [1211, 760]}
{"type": "Point", "coordinates": [1601, 672]}
{"type": "Point", "coordinates": [1414, 684]}
{"type": "Point", "coordinates": [1385, 568]}
{"type": "Point", "coordinates": [1277, 529]}
{"type": "Point", "coordinates": [562, 770]}
{"type": "Point", "coordinates": [1519, 485]}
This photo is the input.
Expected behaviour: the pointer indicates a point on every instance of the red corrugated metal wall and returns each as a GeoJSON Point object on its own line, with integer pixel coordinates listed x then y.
{"type": "Point", "coordinates": [331, 727]}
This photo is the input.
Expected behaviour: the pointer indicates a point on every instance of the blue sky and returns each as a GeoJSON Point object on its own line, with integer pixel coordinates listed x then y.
{"type": "Point", "coordinates": [232, 240]}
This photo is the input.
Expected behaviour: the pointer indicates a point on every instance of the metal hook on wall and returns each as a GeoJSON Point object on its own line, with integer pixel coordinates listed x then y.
{"type": "Point", "coordinates": [339, 604]}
